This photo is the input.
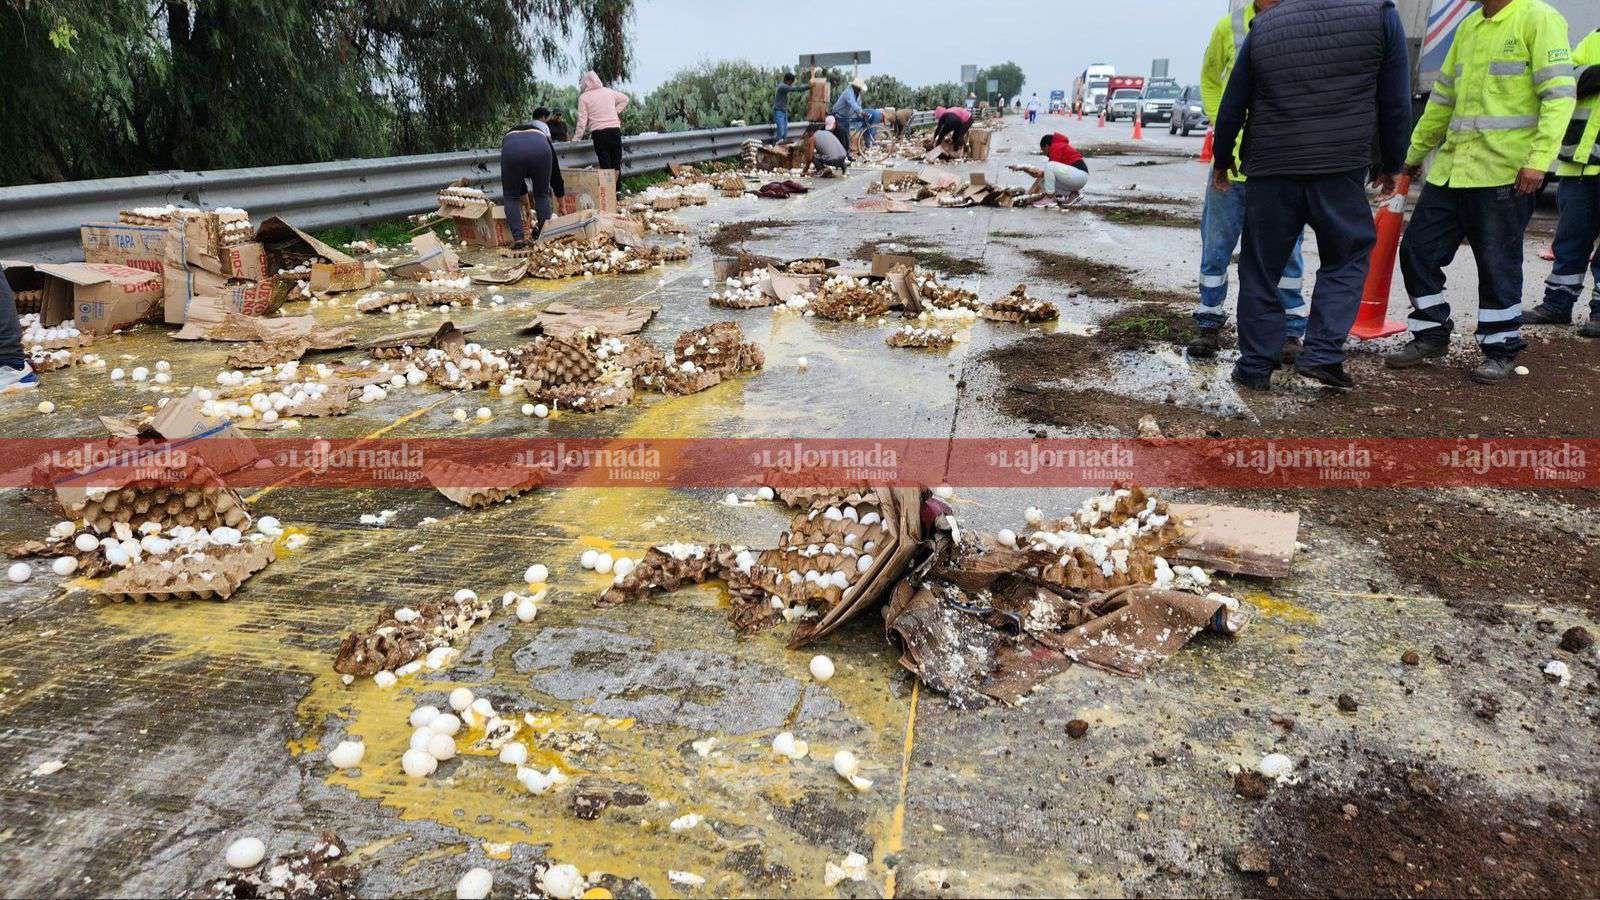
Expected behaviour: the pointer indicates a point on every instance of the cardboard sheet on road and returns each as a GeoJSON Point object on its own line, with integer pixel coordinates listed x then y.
{"type": "Point", "coordinates": [1241, 541]}
{"type": "Point", "coordinates": [564, 319]}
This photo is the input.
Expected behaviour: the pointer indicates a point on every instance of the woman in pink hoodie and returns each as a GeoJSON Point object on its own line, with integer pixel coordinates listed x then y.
{"type": "Point", "coordinates": [600, 116]}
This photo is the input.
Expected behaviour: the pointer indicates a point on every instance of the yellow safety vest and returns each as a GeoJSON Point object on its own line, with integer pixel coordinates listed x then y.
{"type": "Point", "coordinates": [1579, 157]}
{"type": "Point", "coordinates": [1221, 52]}
{"type": "Point", "coordinates": [1502, 101]}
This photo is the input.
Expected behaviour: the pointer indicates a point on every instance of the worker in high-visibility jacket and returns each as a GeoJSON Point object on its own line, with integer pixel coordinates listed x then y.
{"type": "Point", "coordinates": [1578, 197]}
{"type": "Point", "coordinates": [1496, 115]}
{"type": "Point", "coordinates": [1222, 218]}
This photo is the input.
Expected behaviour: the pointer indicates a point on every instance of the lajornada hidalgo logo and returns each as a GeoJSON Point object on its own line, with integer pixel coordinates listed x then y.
{"type": "Point", "coordinates": [1347, 463]}
{"type": "Point", "coordinates": [1558, 462]}
{"type": "Point", "coordinates": [798, 457]}
{"type": "Point", "coordinates": [1114, 460]}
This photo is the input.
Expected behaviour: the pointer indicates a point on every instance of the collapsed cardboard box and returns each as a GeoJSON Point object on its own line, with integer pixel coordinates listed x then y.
{"type": "Point", "coordinates": [594, 189]}
{"type": "Point", "coordinates": [100, 297]}
{"type": "Point", "coordinates": [978, 140]}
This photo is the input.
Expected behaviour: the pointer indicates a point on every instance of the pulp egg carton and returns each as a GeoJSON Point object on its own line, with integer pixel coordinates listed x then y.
{"type": "Point", "coordinates": [64, 336]}
{"type": "Point", "coordinates": [667, 568]}
{"type": "Point", "coordinates": [202, 505]}
{"type": "Point", "coordinates": [457, 196]}
{"type": "Point", "coordinates": [234, 231]}
{"type": "Point", "coordinates": [590, 397]}
{"type": "Point", "coordinates": [844, 298]}
{"type": "Point", "coordinates": [161, 216]}
{"type": "Point", "coordinates": [936, 293]}
{"type": "Point", "coordinates": [552, 360]}
{"type": "Point", "coordinates": [42, 360]}
{"type": "Point", "coordinates": [475, 487]}
{"type": "Point", "coordinates": [405, 633]}
{"type": "Point", "coordinates": [29, 301]}
{"type": "Point", "coordinates": [214, 573]}
{"type": "Point", "coordinates": [921, 338]}
{"type": "Point", "coordinates": [1017, 306]}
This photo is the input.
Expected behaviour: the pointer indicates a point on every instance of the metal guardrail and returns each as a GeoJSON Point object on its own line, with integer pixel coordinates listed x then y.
{"type": "Point", "coordinates": [39, 222]}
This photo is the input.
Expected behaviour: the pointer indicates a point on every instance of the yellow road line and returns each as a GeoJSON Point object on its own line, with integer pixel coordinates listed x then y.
{"type": "Point", "coordinates": [368, 437]}
{"type": "Point", "coordinates": [895, 842]}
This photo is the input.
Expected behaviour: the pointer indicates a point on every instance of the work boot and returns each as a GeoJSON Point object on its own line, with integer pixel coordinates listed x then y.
{"type": "Point", "coordinates": [1206, 344]}
{"type": "Point", "coordinates": [1544, 315]}
{"type": "Point", "coordinates": [1252, 382]}
{"type": "Point", "coordinates": [1330, 375]}
{"type": "Point", "coordinates": [1493, 370]}
{"type": "Point", "coordinates": [1590, 329]}
{"type": "Point", "coordinates": [1291, 350]}
{"type": "Point", "coordinates": [1414, 354]}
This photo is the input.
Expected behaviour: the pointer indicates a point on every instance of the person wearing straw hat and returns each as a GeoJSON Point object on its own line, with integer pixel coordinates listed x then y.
{"type": "Point", "coordinates": [847, 108]}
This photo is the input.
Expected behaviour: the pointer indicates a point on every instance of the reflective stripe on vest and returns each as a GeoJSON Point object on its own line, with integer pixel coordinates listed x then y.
{"type": "Point", "coordinates": [1239, 31]}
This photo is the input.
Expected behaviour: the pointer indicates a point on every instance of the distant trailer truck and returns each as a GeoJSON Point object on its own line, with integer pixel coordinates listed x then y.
{"type": "Point", "coordinates": [1089, 91]}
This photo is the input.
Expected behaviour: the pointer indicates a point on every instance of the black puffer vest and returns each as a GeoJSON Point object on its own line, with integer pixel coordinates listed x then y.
{"type": "Point", "coordinates": [1314, 73]}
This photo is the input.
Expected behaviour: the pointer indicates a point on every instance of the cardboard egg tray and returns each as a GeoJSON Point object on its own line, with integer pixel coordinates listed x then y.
{"type": "Point", "coordinates": [920, 338]}
{"type": "Point", "coordinates": [29, 301]}
{"type": "Point", "coordinates": [390, 643]}
{"type": "Point", "coordinates": [475, 487]}
{"type": "Point", "coordinates": [1017, 306]}
{"type": "Point", "coordinates": [215, 573]}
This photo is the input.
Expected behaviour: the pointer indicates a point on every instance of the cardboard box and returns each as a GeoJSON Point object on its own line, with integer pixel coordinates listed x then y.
{"type": "Point", "coordinates": [218, 444]}
{"type": "Point", "coordinates": [134, 246]}
{"type": "Point", "coordinates": [101, 297]}
{"type": "Point", "coordinates": [594, 189]}
{"type": "Point", "coordinates": [183, 282]}
{"type": "Point", "coordinates": [978, 144]}
{"type": "Point", "coordinates": [288, 247]}
{"type": "Point", "coordinates": [338, 277]}
{"type": "Point", "coordinates": [247, 262]}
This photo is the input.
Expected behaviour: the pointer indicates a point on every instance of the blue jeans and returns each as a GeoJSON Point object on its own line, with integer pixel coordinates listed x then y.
{"type": "Point", "coordinates": [10, 329]}
{"type": "Point", "coordinates": [1221, 225]}
{"type": "Point", "coordinates": [1492, 221]}
{"type": "Point", "coordinates": [780, 119]}
{"type": "Point", "coordinates": [1576, 234]}
{"type": "Point", "coordinates": [1276, 215]}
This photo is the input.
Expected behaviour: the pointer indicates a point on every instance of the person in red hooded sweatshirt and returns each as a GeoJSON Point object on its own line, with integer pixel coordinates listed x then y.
{"type": "Point", "coordinates": [1065, 173]}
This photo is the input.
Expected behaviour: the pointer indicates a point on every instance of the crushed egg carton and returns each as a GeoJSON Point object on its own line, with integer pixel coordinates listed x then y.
{"type": "Point", "coordinates": [472, 366]}
{"type": "Point", "coordinates": [701, 359]}
{"type": "Point", "coordinates": [920, 338]}
{"type": "Point", "coordinates": [844, 298]}
{"type": "Point", "coordinates": [383, 301]}
{"type": "Point", "coordinates": [1017, 306]}
{"type": "Point", "coordinates": [202, 501]}
{"type": "Point", "coordinates": [575, 256]}
{"type": "Point", "coordinates": [551, 361]}
{"type": "Point", "coordinates": [316, 872]}
{"type": "Point", "coordinates": [42, 360]}
{"type": "Point", "coordinates": [1112, 540]}
{"type": "Point", "coordinates": [211, 573]}
{"type": "Point", "coordinates": [671, 567]}
{"type": "Point", "coordinates": [90, 563]}
{"type": "Point", "coordinates": [475, 487]}
{"type": "Point", "coordinates": [403, 634]}
{"type": "Point", "coordinates": [743, 291]}
{"type": "Point", "coordinates": [935, 292]}
{"type": "Point", "coordinates": [234, 231]}
{"type": "Point", "coordinates": [30, 301]}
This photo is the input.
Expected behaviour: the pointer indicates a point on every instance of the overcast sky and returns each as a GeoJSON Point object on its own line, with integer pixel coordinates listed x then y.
{"type": "Point", "coordinates": [926, 41]}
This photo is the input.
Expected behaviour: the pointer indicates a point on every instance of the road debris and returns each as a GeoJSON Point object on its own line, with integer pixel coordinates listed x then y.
{"type": "Point", "coordinates": [302, 875]}
{"type": "Point", "coordinates": [405, 634]}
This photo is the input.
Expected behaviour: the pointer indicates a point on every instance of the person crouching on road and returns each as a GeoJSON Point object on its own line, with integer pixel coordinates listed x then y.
{"type": "Point", "coordinates": [1222, 216]}
{"type": "Point", "coordinates": [600, 116]}
{"type": "Point", "coordinates": [1499, 110]}
{"type": "Point", "coordinates": [1308, 152]}
{"type": "Point", "coordinates": [951, 122]}
{"type": "Point", "coordinates": [1578, 197]}
{"type": "Point", "coordinates": [827, 151]}
{"type": "Point", "coordinates": [1066, 173]}
{"type": "Point", "coordinates": [528, 168]}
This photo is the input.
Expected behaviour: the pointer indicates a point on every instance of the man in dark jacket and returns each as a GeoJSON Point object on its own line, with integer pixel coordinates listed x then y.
{"type": "Point", "coordinates": [1318, 80]}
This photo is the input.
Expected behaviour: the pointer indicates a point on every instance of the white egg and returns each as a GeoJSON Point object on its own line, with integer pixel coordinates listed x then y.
{"type": "Point", "coordinates": [118, 375]}
{"type": "Point", "coordinates": [588, 559]}
{"type": "Point", "coordinates": [801, 362]}
{"type": "Point", "coordinates": [418, 763]}
{"type": "Point", "coordinates": [85, 542]}
{"type": "Point", "coordinates": [459, 415]}
{"type": "Point", "coordinates": [484, 414]}
{"type": "Point", "coordinates": [846, 764]}
{"type": "Point", "coordinates": [514, 753]}
{"type": "Point", "coordinates": [385, 679]}
{"type": "Point", "coordinates": [1034, 515]}
{"type": "Point", "coordinates": [537, 573]}
{"type": "Point", "coordinates": [623, 566]}
{"type": "Point", "coordinates": [445, 724]}
{"type": "Point", "coordinates": [540, 410]}
{"type": "Point", "coordinates": [19, 572]}
{"type": "Point", "coordinates": [347, 755]}
{"type": "Point", "coordinates": [475, 885]}
{"type": "Point", "coordinates": [1006, 537]}
{"type": "Point", "coordinates": [423, 716]}
{"type": "Point", "coordinates": [141, 373]}
{"type": "Point", "coordinates": [765, 493]}
{"type": "Point", "coordinates": [527, 611]}
{"type": "Point", "coordinates": [64, 565]}
{"type": "Point", "coordinates": [944, 492]}
{"type": "Point", "coordinates": [420, 739]}
{"type": "Point", "coordinates": [442, 747]}
{"type": "Point", "coordinates": [46, 407]}
{"type": "Point", "coordinates": [821, 668]}
{"type": "Point", "coordinates": [245, 852]}
{"type": "Point", "coordinates": [603, 563]}
{"type": "Point", "coordinates": [1275, 765]}
{"type": "Point", "coordinates": [527, 409]}
{"type": "Point", "coordinates": [460, 699]}
{"type": "Point", "coordinates": [466, 595]}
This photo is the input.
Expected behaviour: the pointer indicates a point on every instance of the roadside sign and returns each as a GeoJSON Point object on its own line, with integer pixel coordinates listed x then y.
{"type": "Point", "coordinates": [969, 74]}
{"type": "Point", "coordinates": [994, 85]}
{"type": "Point", "coordinates": [847, 58]}
{"type": "Point", "coordinates": [1159, 67]}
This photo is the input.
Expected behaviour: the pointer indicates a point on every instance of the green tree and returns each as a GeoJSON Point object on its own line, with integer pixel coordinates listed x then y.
{"type": "Point", "coordinates": [1010, 76]}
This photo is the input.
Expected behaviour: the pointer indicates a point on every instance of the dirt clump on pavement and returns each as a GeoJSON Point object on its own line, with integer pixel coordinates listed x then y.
{"type": "Point", "coordinates": [1098, 279]}
{"type": "Point", "coordinates": [1403, 831]}
{"type": "Point", "coordinates": [1139, 215]}
{"type": "Point", "coordinates": [729, 239]}
{"type": "Point", "coordinates": [1121, 149]}
{"type": "Point", "coordinates": [1041, 358]}
{"type": "Point", "coordinates": [928, 255]}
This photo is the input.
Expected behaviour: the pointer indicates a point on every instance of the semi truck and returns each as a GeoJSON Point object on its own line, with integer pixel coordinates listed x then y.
{"type": "Point", "coordinates": [1089, 88]}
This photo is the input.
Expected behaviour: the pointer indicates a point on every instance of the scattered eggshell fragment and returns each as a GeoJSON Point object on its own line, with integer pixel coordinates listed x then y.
{"type": "Point", "coordinates": [515, 754]}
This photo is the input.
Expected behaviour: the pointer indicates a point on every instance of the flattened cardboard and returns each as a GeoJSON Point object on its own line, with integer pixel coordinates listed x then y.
{"type": "Point", "coordinates": [582, 223]}
{"type": "Point", "coordinates": [506, 274]}
{"type": "Point", "coordinates": [592, 189]}
{"type": "Point", "coordinates": [218, 444]}
{"type": "Point", "coordinates": [884, 263]}
{"type": "Point", "coordinates": [432, 256]}
{"type": "Point", "coordinates": [279, 237]}
{"type": "Point", "coordinates": [105, 296]}
{"type": "Point", "coordinates": [227, 325]}
{"type": "Point", "coordinates": [562, 319]}
{"type": "Point", "coordinates": [1234, 539]}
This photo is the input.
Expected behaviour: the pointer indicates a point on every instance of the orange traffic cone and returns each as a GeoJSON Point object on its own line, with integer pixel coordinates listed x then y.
{"type": "Point", "coordinates": [1138, 127]}
{"type": "Point", "coordinates": [1372, 321]}
{"type": "Point", "coordinates": [1102, 118]}
{"type": "Point", "coordinates": [1205, 148]}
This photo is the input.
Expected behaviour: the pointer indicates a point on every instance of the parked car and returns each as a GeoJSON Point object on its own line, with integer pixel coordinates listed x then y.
{"type": "Point", "coordinates": [1188, 114]}
{"type": "Point", "coordinates": [1124, 104]}
{"type": "Point", "coordinates": [1159, 100]}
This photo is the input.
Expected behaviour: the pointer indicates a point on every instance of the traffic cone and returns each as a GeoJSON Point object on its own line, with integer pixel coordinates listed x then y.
{"type": "Point", "coordinates": [1205, 148]}
{"type": "Point", "coordinates": [1102, 118]}
{"type": "Point", "coordinates": [1138, 127]}
{"type": "Point", "coordinates": [1372, 320]}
